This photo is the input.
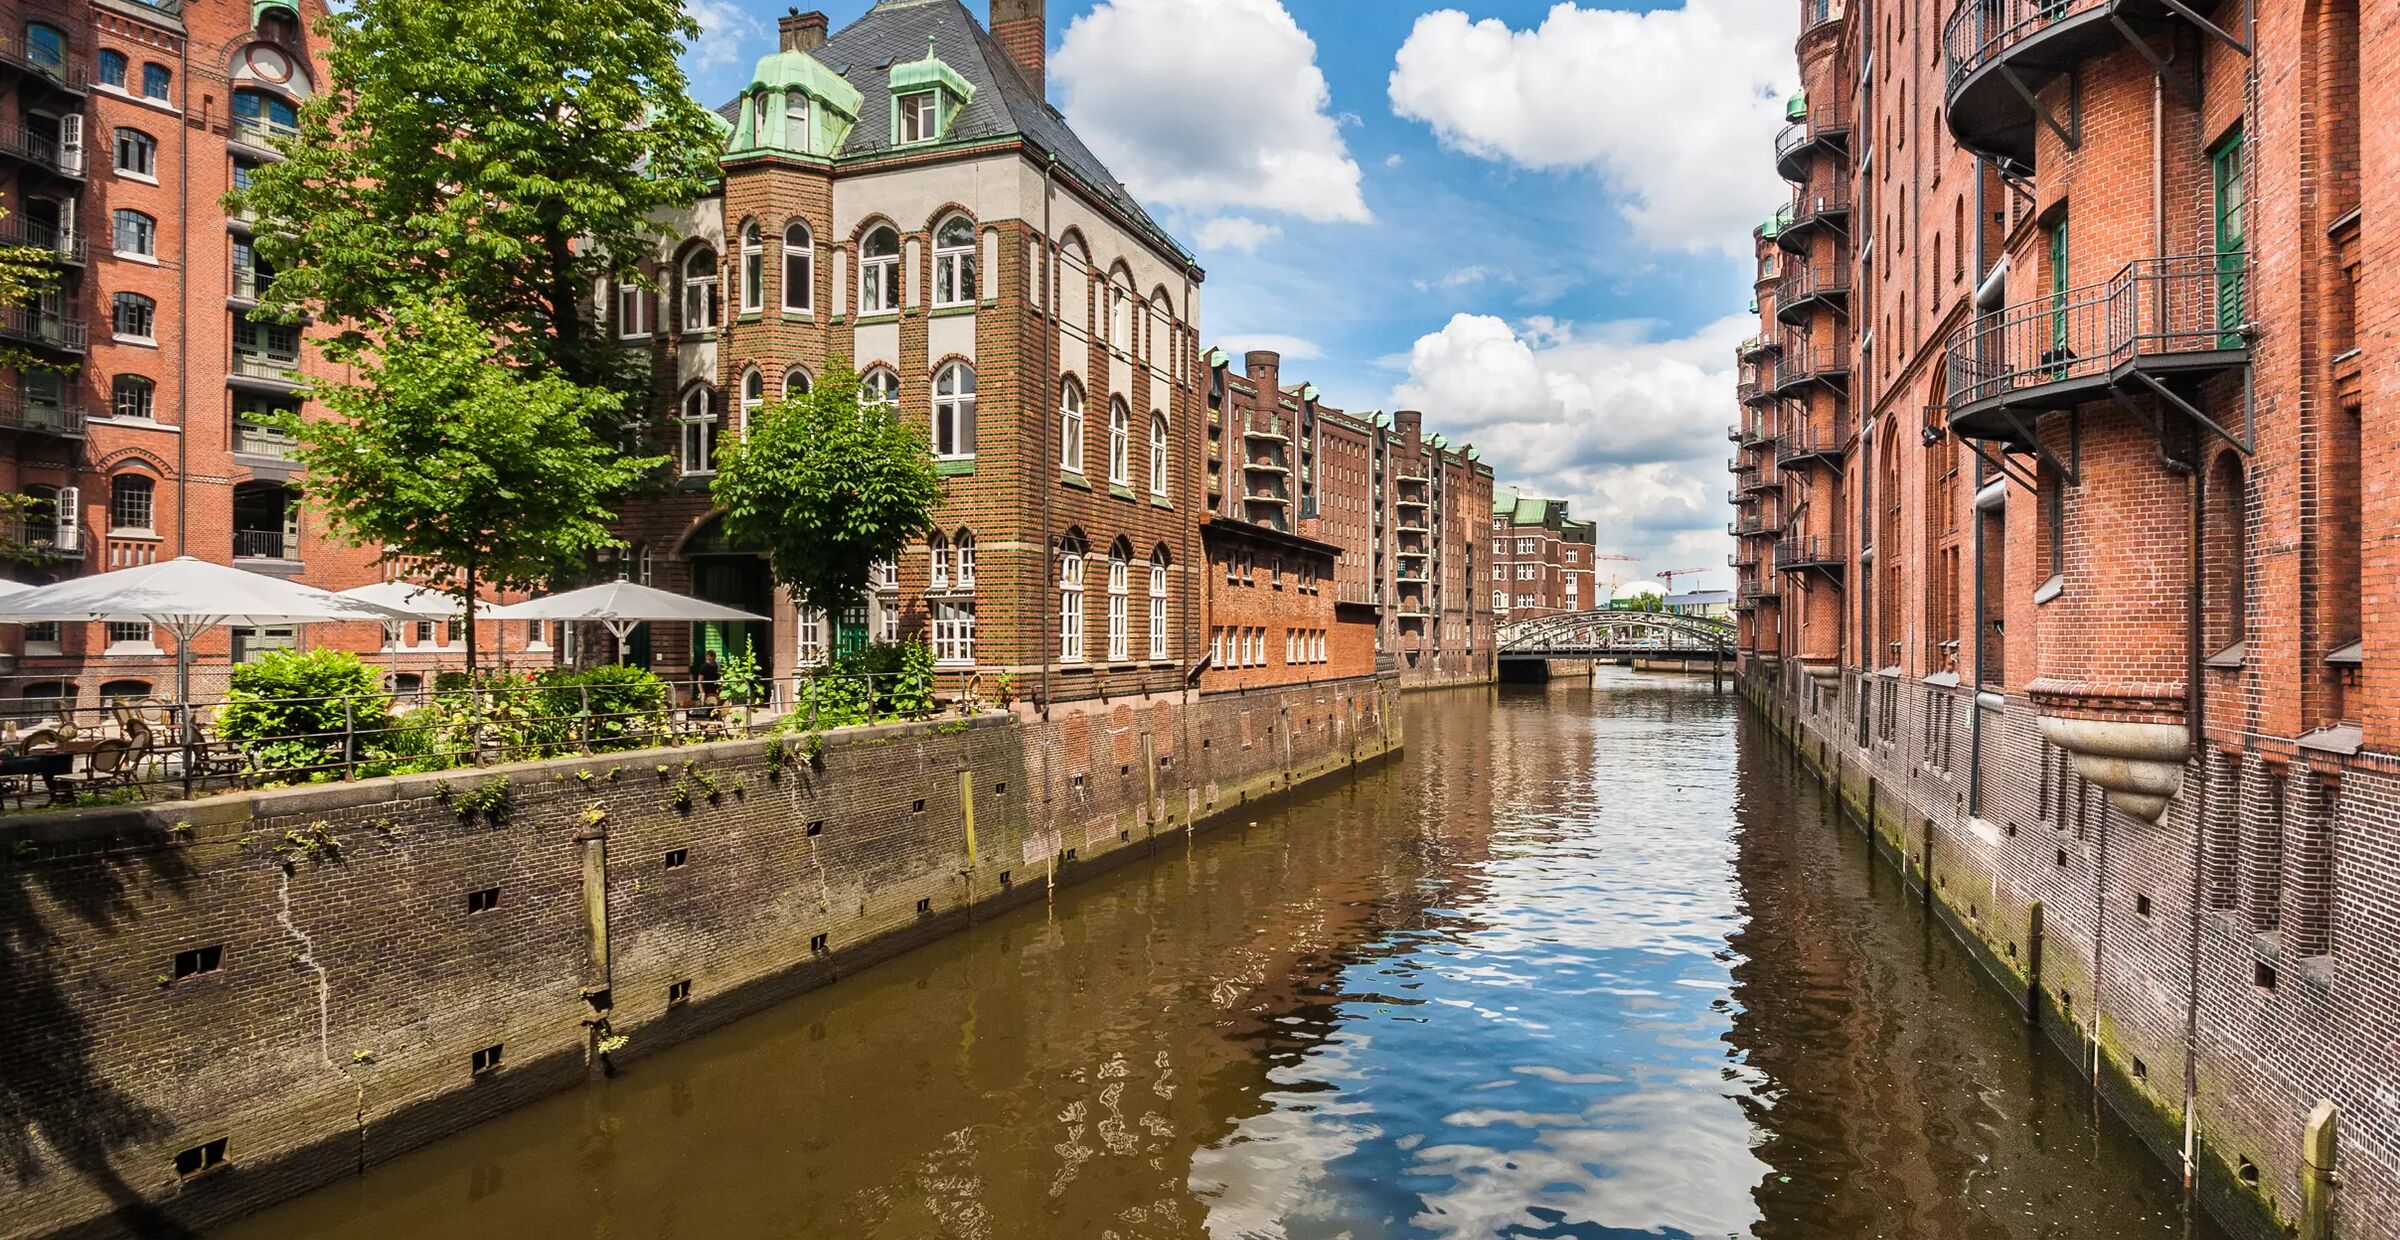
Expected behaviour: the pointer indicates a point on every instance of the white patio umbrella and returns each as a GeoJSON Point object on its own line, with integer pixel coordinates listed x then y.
{"type": "Point", "coordinates": [418, 602]}
{"type": "Point", "coordinates": [619, 605]}
{"type": "Point", "coordinates": [185, 596]}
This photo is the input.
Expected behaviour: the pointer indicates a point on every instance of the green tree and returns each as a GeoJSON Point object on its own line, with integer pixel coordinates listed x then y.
{"type": "Point", "coordinates": [505, 154]}
{"type": "Point", "coordinates": [441, 448]}
{"type": "Point", "coordinates": [25, 272]}
{"type": "Point", "coordinates": [827, 489]}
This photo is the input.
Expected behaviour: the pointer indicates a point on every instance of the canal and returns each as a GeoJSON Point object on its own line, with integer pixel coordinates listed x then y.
{"type": "Point", "coordinates": [1587, 962]}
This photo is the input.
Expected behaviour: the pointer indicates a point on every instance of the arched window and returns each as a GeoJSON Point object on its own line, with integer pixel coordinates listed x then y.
{"type": "Point", "coordinates": [754, 268]}
{"type": "Point", "coordinates": [953, 607]}
{"type": "Point", "coordinates": [797, 383]}
{"type": "Point", "coordinates": [1158, 602]}
{"type": "Point", "coordinates": [136, 233]}
{"type": "Point", "coordinates": [1160, 332]}
{"type": "Point", "coordinates": [700, 290]}
{"type": "Point", "coordinates": [799, 268]}
{"type": "Point", "coordinates": [954, 262]}
{"type": "Point", "coordinates": [699, 420]}
{"type": "Point", "coordinates": [937, 561]}
{"type": "Point", "coordinates": [1158, 453]}
{"type": "Point", "coordinates": [155, 81]}
{"type": "Point", "coordinates": [1120, 442]}
{"type": "Point", "coordinates": [754, 397]}
{"type": "Point", "coordinates": [116, 691]}
{"type": "Point", "coordinates": [132, 396]}
{"type": "Point", "coordinates": [137, 153]}
{"type": "Point", "coordinates": [1070, 427]}
{"type": "Point", "coordinates": [113, 66]}
{"type": "Point", "coordinates": [1120, 315]}
{"type": "Point", "coordinates": [879, 272]}
{"type": "Point", "coordinates": [131, 503]}
{"type": "Point", "coordinates": [954, 412]}
{"type": "Point", "coordinates": [879, 388]}
{"type": "Point", "coordinates": [1120, 570]}
{"type": "Point", "coordinates": [1070, 599]}
{"type": "Point", "coordinates": [46, 46]}
{"type": "Point", "coordinates": [260, 118]}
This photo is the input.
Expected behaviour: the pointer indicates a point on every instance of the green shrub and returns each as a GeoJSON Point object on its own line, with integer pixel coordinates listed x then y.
{"type": "Point", "coordinates": [294, 713]}
{"type": "Point", "coordinates": [611, 706]}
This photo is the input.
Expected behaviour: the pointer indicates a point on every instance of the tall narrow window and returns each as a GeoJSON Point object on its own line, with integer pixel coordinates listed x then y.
{"type": "Point", "coordinates": [754, 398]}
{"type": "Point", "coordinates": [131, 503]}
{"type": "Point", "coordinates": [879, 272]}
{"type": "Point", "coordinates": [1070, 601]}
{"type": "Point", "coordinates": [1158, 453]}
{"type": "Point", "coordinates": [799, 268]}
{"type": "Point", "coordinates": [954, 412]}
{"type": "Point", "coordinates": [954, 262]}
{"type": "Point", "coordinates": [632, 302]}
{"type": "Point", "coordinates": [1070, 428]}
{"type": "Point", "coordinates": [699, 432]}
{"type": "Point", "coordinates": [1158, 603]}
{"type": "Point", "coordinates": [700, 291]}
{"type": "Point", "coordinates": [796, 382]}
{"type": "Point", "coordinates": [1120, 443]}
{"type": "Point", "coordinates": [937, 561]}
{"type": "Point", "coordinates": [962, 560]}
{"type": "Point", "coordinates": [46, 47]}
{"type": "Point", "coordinates": [1119, 584]}
{"type": "Point", "coordinates": [754, 268]}
{"type": "Point", "coordinates": [953, 604]}
{"type": "Point", "coordinates": [2225, 167]}
{"type": "Point", "coordinates": [155, 81]}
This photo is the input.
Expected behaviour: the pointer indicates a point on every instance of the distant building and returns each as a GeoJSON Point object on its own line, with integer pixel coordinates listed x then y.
{"type": "Point", "coordinates": [1713, 604]}
{"type": "Point", "coordinates": [1542, 559]}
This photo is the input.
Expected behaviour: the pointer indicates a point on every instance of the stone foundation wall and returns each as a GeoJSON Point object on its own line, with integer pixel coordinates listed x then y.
{"type": "Point", "coordinates": [2166, 959]}
{"type": "Point", "coordinates": [320, 979]}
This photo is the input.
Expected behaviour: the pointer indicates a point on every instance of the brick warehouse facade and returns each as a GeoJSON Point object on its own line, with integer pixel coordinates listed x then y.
{"type": "Point", "coordinates": [2060, 540]}
{"type": "Point", "coordinates": [122, 126]}
{"type": "Point", "coordinates": [1544, 562]}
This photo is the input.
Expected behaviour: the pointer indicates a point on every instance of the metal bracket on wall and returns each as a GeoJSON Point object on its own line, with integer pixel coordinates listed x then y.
{"type": "Point", "coordinates": [2189, 91]}
{"type": "Point", "coordinates": [2206, 26]}
{"type": "Point", "coordinates": [2001, 466]}
{"type": "Point", "coordinates": [2070, 469]}
{"type": "Point", "coordinates": [2074, 142]}
{"type": "Point", "coordinates": [2241, 443]}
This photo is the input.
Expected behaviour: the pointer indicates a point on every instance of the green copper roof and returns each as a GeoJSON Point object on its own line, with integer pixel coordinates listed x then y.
{"type": "Point", "coordinates": [1796, 107]}
{"type": "Point", "coordinates": [1308, 391]}
{"type": "Point", "coordinates": [931, 72]}
{"type": "Point", "coordinates": [260, 8]}
{"type": "Point", "coordinates": [762, 116]}
{"type": "Point", "coordinates": [1214, 358]}
{"type": "Point", "coordinates": [1382, 419]}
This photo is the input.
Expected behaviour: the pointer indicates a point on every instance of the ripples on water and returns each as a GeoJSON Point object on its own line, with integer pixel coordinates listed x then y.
{"type": "Point", "coordinates": [1585, 963]}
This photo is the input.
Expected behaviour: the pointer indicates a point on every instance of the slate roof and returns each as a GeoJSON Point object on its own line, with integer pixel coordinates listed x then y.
{"type": "Point", "coordinates": [1005, 103]}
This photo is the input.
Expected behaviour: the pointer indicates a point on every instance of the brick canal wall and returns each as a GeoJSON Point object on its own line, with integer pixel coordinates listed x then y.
{"type": "Point", "coordinates": [2129, 943]}
{"type": "Point", "coordinates": [276, 990]}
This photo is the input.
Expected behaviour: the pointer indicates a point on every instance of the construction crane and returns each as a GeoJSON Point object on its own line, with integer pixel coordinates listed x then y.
{"type": "Point", "coordinates": [1613, 579]}
{"type": "Point", "coordinates": [1669, 575]}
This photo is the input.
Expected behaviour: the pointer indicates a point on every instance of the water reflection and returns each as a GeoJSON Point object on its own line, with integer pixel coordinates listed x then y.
{"type": "Point", "coordinates": [1570, 968]}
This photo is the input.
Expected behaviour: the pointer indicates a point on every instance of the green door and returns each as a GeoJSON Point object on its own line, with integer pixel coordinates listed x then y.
{"type": "Point", "coordinates": [2058, 299]}
{"type": "Point", "coordinates": [2226, 168]}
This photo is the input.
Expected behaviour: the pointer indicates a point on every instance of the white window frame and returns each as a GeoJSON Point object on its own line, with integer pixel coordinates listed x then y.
{"type": "Point", "coordinates": [1120, 442]}
{"type": "Point", "coordinates": [962, 561]}
{"type": "Point", "coordinates": [1070, 605]}
{"type": "Point", "coordinates": [954, 412]}
{"type": "Point", "coordinates": [754, 268]}
{"type": "Point", "coordinates": [754, 398]}
{"type": "Point", "coordinates": [879, 274]}
{"type": "Point", "coordinates": [1070, 427]}
{"type": "Point", "coordinates": [1158, 453]}
{"type": "Point", "coordinates": [879, 388]}
{"type": "Point", "coordinates": [917, 116]}
{"type": "Point", "coordinates": [937, 562]}
{"type": "Point", "coordinates": [954, 263]}
{"type": "Point", "coordinates": [1158, 607]}
{"type": "Point", "coordinates": [954, 631]}
{"type": "Point", "coordinates": [1120, 640]}
{"type": "Point", "coordinates": [631, 322]}
{"type": "Point", "coordinates": [799, 268]}
{"type": "Point", "coordinates": [700, 291]}
{"type": "Point", "coordinates": [145, 233]}
{"type": "Point", "coordinates": [698, 414]}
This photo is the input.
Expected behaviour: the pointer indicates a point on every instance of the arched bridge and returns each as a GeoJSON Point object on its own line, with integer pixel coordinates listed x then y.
{"type": "Point", "coordinates": [1618, 633]}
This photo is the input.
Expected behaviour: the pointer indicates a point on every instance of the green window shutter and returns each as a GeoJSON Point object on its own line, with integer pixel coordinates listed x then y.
{"type": "Point", "coordinates": [2225, 166]}
{"type": "Point", "coordinates": [2058, 292]}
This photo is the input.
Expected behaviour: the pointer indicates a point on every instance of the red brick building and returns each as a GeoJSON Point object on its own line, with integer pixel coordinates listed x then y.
{"type": "Point", "coordinates": [1542, 560]}
{"type": "Point", "coordinates": [122, 126]}
{"type": "Point", "coordinates": [2059, 534]}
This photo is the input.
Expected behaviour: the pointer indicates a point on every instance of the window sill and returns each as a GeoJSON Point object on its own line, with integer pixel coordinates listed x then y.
{"type": "Point", "coordinates": [131, 650]}
{"type": "Point", "coordinates": [964, 309]}
{"type": "Point", "coordinates": [802, 313]}
{"type": "Point", "coordinates": [1161, 501]}
{"type": "Point", "coordinates": [954, 467]}
{"type": "Point", "coordinates": [135, 256]}
{"type": "Point", "coordinates": [877, 318]}
{"type": "Point", "coordinates": [43, 650]}
{"type": "Point", "coordinates": [139, 178]}
{"type": "Point", "coordinates": [635, 338]}
{"type": "Point", "coordinates": [139, 342]}
{"type": "Point", "coordinates": [2050, 589]}
{"type": "Point", "coordinates": [1073, 479]}
{"type": "Point", "coordinates": [703, 335]}
{"type": "Point", "coordinates": [750, 316]}
{"type": "Point", "coordinates": [1120, 490]}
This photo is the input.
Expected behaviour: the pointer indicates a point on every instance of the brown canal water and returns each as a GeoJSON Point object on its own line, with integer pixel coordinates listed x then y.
{"type": "Point", "coordinates": [1586, 962]}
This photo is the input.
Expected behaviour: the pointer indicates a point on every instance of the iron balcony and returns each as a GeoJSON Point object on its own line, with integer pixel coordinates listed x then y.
{"type": "Point", "coordinates": [1809, 444]}
{"type": "Point", "coordinates": [1998, 55]}
{"type": "Point", "coordinates": [1816, 211]}
{"type": "Point", "coordinates": [2160, 324]}
{"type": "Point", "coordinates": [1811, 552]}
{"type": "Point", "coordinates": [1809, 287]}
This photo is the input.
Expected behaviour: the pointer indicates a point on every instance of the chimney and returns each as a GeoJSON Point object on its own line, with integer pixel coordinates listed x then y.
{"type": "Point", "coordinates": [801, 32]}
{"type": "Point", "coordinates": [1018, 26]}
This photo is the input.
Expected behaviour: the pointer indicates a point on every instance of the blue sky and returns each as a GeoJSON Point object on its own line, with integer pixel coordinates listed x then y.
{"type": "Point", "coordinates": [1527, 219]}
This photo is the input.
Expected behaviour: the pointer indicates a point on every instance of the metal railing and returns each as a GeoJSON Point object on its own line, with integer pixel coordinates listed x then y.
{"type": "Point", "coordinates": [16, 413]}
{"type": "Point", "coordinates": [72, 74]}
{"type": "Point", "coordinates": [57, 751]}
{"type": "Point", "coordinates": [260, 132]}
{"type": "Point", "coordinates": [1808, 551]}
{"type": "Point", "coordinates": [1808, 441]}
{"type": "Point", "coordinates": [251, 439]}
{"type": "Point", "coordinates": [52, 331]}
{"type": "Point", "coordinates": [16, 230]}
{"type": "Point", "coordinates": [1808, 281]}
{"type": "Point", "coordinates": [1269, 427]}
{"type": "Point", "coordinates": [1812, 204]}
{"type": "Point", "coordinates": [40, 148]}
{"type": "Point", "coordinates": [42, 538]}
{"type": "Point", "coordinates": [1980, 31]}
{"type": "Point", "coordinates": [2192, 303]}
{"type": "Point", "coordinates": [1805, 358]}
{"type": "Point", "coordinates": [254, 364]}
{"type": "Point", "coordinates": [266, 545]}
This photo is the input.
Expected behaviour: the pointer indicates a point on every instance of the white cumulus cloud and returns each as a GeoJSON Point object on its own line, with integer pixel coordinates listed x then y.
{"type": "Point", "coordinates": [726, 32]}
{"type": "Point", "coordinates": [1627, 427]}
{"type": "Point", "coordinates": [1208, 105]}
{"type": "Point", "coordinates": [1675, 109]}
{"type": "Point", "coordinates": [1235, 232]}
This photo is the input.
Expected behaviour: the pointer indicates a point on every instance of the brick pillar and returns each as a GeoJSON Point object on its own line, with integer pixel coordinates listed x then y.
{"type": "Point", "coordinates": [2262, 843]}
{"type": "Point", "coordinates": [2308, 867]}
{"type": "Point", "coordinates": [2221, 829]}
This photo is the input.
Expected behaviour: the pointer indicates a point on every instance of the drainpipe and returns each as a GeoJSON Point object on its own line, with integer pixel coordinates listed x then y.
{"type": "Point", "coordinates": [1049, 372]}
{"type": "Point", "coordinates": [183, 345]}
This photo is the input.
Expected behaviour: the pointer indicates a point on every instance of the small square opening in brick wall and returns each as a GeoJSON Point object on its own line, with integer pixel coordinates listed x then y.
{"type": "Point", "coordinates": [918, 807]}
{"type": "Point", "coordinates": [1000, 789]}
{"type": "Point", "coordinates": [199, 960]}
{"type": "Point", "coordinates": [816, 826]}
{"type": "Point", "coordinates": [1004, 879]}
{"type": "Point", "coordinates": [200, 1158]}
{"type": "Point", "coordinates": [677, 858]}
{"type": "Point", "coordinates": [2262, 975]}
{"type": "Point", "coordinates": [2141, 904]}
{"type": "Point", "coordinates": [2141, 1071]}
{"type": "Point", "coordinates": [483, 901]}
{"type": "Point", "coordinates": [1166, 761]}
{"type": "Point", "coordinates": [925, 904]}
{"type": "Point", "coordinates": [680, 992]}
{"type": "Point", "coordinates": [485, 1060]}
{"type": "Point", "coordinates": [2248, 1171]}
{"type": "Point", "coordinates": [2062, 856]}
{"type": "Point", "coordinates": [1124, 769]}
{"type": "Point", "coordinates": [816, 944]}
{"type": "Point", "coordinates": [1068, 855]}
{"type": "Point", "coordinates": [1078, 781]}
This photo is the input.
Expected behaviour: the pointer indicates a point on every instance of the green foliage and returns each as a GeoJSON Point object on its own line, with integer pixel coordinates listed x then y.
{"type": "Point", "coordinates": [741, 683]}
{"type": "Point", "coordinates": [826, 489]}
{"type": "Point", "coordinates": [24, 271]}
{"type": "Point", "coordinates": [613, 706]}
{"type": "Point", "coordinates": [880, 681]}
{"type": "Point", "coordinates": [300, 713]}
{"type": "Point", "coordinates": [439, 450]}
{"type": "Point", "coordinates": [505, 153]}
{"type": "Point", "coordinates": [489, 798]}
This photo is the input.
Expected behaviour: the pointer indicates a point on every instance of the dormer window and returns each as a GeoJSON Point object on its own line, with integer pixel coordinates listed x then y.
{"type": "Point", "coordinates": [920, 117]}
